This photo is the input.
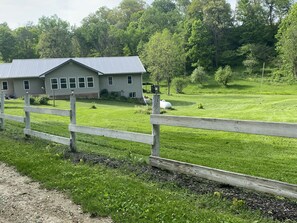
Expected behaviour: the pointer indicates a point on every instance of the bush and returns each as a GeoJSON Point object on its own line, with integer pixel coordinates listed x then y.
{"type": "Point", "coordinates": [198, 75]}
{"type": "Point", "coordinates": [43, 100]}
{"type": "Point", "coordinates": [104, 93]}
{"type": "Point", "coordinates": [32, 101]}
{"type": "Point", "coordinates": [223, 75]}
{"type": "Point", "coordinates": [114, 94]}
{"type": "Point", "coordinates": [179, 84]}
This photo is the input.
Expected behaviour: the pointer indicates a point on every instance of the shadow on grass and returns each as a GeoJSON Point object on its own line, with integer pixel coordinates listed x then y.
{"type": "Point", "coordinates": [180, 103]}
{"type": "Point", "coordinates": [13, 107]}
{"type": "Point", "coordinates": [228, 87]}
{"type": "Point", "coordinates": [108, 102]}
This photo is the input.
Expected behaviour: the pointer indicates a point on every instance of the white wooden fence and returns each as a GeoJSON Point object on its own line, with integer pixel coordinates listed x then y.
{"type": "Point", "coordinates": [226, 177]}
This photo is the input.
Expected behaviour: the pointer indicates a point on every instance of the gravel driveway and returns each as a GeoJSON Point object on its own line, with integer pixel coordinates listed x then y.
{"type": "Point", "coordinates": [22, 200]}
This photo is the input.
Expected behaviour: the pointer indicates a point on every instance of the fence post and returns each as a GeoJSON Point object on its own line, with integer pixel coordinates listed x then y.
{"type": "Point", "coordinates": [73, 122]}
{"type": "Point", "coordinates": [2, 101]}
{"type": "Point", "coordinates": [156, 128]}
{"type": "Point", "coordinates": [27, 114]}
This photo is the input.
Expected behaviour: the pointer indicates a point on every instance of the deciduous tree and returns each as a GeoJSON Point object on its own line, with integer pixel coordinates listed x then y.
{"type": "Point", "coordinates": [55, 37]}
{"type": "Point", "coordinates": [163, 57]}
{"type": "Point", "coordinates": [287, 42]}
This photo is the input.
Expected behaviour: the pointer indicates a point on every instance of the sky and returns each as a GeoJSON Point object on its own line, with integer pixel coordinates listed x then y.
{"type": "Point", "coordinates": [18, 13]}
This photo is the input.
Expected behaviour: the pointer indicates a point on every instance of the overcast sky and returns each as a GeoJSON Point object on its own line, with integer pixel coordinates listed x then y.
{"type": "Point", "coordinates": [18, 12]}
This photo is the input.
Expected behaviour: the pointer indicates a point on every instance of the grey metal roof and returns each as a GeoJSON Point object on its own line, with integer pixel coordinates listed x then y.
{"type": "Point", "coordinates": [106, 65]}
{"type": "Point", "coordinates": [33, 67]}
{"type": "Point", "coordinates": [4, 69]}
{"type": "Point", "coordinates": [114, 65]}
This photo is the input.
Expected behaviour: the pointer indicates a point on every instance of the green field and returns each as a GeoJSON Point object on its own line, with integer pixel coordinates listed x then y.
{"type": "Point", "coordinates": [264, 156]}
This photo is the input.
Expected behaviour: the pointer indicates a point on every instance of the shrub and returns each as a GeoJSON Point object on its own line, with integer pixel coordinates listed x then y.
{"type": "Point", "coordinates": [198, 75]}
{"type": "Point", "coordinates": [179, 84]}
{"type": "Point", "coordinates": [43, 100]}
{"type": "Point", "coordinates": [32, 101]}
{"type": "Point", "coordinates": [104, 93]}
{"type": "Point", "coordinates": [114, 94]}
{"type": "Point", "coordinates": [250, 65]}
{"type": "Point", "coordinates": [223, 75]}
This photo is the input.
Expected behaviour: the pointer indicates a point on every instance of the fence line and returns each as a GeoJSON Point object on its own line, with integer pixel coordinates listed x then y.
{"type": "Point", "coordinates": [226, 177]}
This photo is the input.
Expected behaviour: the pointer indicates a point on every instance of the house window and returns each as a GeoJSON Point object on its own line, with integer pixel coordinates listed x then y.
{"type": "Point", "coordinates": [5, 85]}
{"type": "Point", "coordinates": [110, 80]}
{"type": "Point", "coordinates": [81, 82]}
{"type": "Point", "coordinates": [132, 94]}
{"type": "Point", "coordinates": [72, 82]}
{"type": "Point", "coordinates": [129, 79]}
{"type": "Point", "coordinates": [63, 83]}
{"type": "Point", "coordinates": [90, 81]}
{"type": "Point", "coordinates": [26, 85]}
{"type": "Point", "coordinates": [54, 83]}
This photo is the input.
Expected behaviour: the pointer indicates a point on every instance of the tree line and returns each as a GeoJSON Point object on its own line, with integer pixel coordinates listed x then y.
{"type": "Point", "coordinates": [173, 37]}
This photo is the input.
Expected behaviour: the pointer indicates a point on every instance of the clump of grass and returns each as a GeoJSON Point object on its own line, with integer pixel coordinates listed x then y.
{"type": "Point", "coordinates": [200, 106]}
{"type": "Point", "coordinates": [93, 107]}
{"type": "Point", "coordinates": [147, 110]}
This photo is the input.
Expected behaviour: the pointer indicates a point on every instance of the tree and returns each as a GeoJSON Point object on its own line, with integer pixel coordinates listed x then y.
{"type": "Point", "coordinates": [199, 45]}
{"type": "Point", "coordinates": [26, 42]}
{"type": "Point", "coordinates": [7, 43]}
{"type": "Point", "coordinates": [223, 75]}
{"type": "Point", "coordinates": [163, 57]}
{"type": "Point", "coordinates": [287, 43]}
{"type": "Point", "coordinates": [253, 19]}
{"type": "Point", "coordinates": [162, 14]}
{"type": "Point", "coordinates": [214, 20]}
{"type": "Point", "coordinates": [255, 54]}
{"type": "Point", "coordinates": [55, 39]}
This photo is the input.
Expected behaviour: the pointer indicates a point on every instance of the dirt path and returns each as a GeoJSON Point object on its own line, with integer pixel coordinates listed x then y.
{"type": "Point", "coordinates": [22, 200]}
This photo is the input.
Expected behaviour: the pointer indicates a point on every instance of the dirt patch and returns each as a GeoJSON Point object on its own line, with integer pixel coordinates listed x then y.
{"type": "Point", "coordinates": [22, 200]}
{"type": "Point", "coordinates": [277, 208]}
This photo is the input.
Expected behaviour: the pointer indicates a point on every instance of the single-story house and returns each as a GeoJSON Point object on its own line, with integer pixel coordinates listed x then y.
{"type": "Point", "coordinates": [86, 77]}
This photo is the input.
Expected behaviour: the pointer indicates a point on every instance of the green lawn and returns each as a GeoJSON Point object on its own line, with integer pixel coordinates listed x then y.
{"type": "Point", "coordinates": [112, 192]}
{"type": "Point", "coordinates": [269, 157]}
{"type": "Point", "coordinates": [264, 156]}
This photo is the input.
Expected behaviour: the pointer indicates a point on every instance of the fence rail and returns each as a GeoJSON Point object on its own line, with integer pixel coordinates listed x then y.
{"type": "Point", "coordinates": [240, 126]}
{"type": "Point", "coordinates": [13, 118]}
{"type": "Point", "coordinates": [226, 177]}
{"type": "Point", "coordinates": [49, 137]}
{"type": "Point", "coordinates": [130, 136]}
{"type": "Point", "coordinates": [48, 111]}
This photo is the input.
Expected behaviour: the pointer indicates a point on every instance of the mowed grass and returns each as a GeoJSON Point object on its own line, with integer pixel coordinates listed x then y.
{"type": "Point", "coordinates": [127, 198]}
{"type": "Point", "coordinates": [112, 192]}
{"type": "Point", "coordinates": [264, 156]}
